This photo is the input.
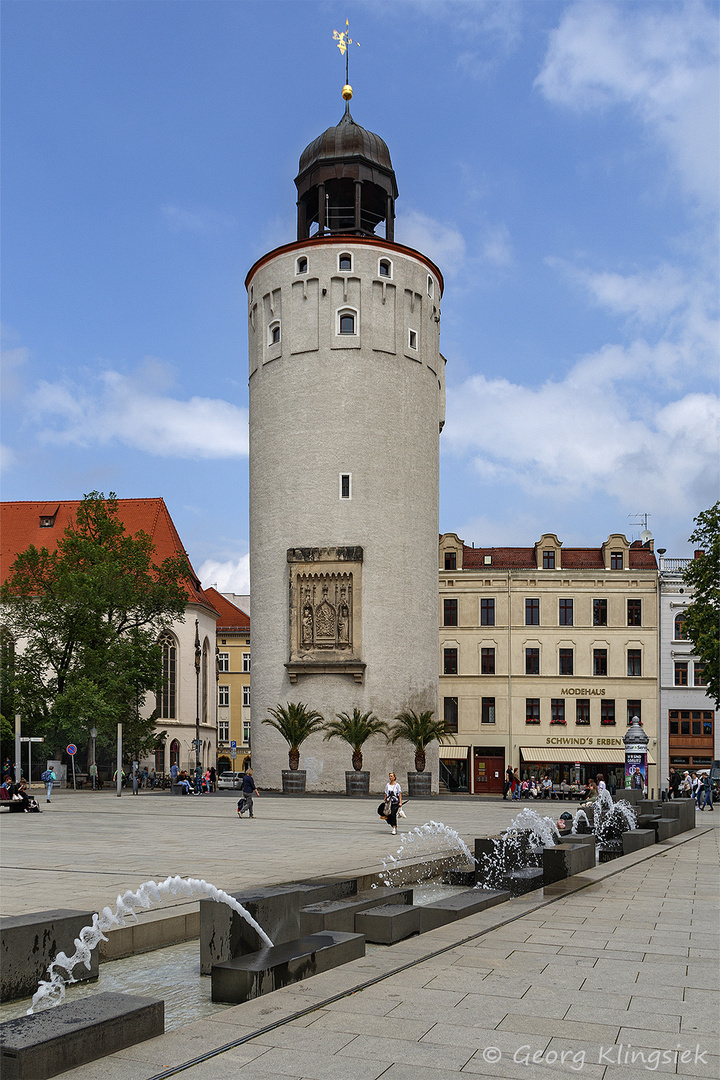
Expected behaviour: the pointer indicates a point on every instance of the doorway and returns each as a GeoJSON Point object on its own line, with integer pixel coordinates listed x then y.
{"type": "Point", "coordinates": [489, 771]}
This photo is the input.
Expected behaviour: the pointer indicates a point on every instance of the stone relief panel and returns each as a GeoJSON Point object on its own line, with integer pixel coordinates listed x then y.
{"type": "Point", "coordinates": [324, 611]}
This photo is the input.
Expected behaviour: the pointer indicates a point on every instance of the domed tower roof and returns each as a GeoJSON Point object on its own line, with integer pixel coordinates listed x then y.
{"type": "Point", "coordinates": [346, 183]}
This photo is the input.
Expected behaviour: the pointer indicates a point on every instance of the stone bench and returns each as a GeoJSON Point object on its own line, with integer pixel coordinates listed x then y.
{"type": "Point", "coordinates": [340, 914]}
{"type": "Point", "coordinates": [683, 810]}
{"type": "Point", "coordinates": [519, 882]}
{"type": "Point", "coordinates": [251, 976]}
{"type": "Point", "coordinates": [635, 839]}
{"type": "Point", "coordinates": [55, 1040]}
{"type": "Point", "coordinates": [388, 923]}
{"type": "Point", "coordinates": [566, 860]}
{"type": "Point", "coordinates": [459, 906]}
{"type": "Point", "coordinates": [29, 943]}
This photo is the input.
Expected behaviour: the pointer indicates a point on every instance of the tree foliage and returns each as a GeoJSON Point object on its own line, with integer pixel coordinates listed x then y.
{"type": "Point", "coordinates": [702, 617]}
{"type": "Point", "coordinates": [355, 729]}
{"type": "Point", "coordinates": [419, 729]}
{"type": "Point", "coordinates": [295, 722]}
{"type": "Point", "coordinates": [86, 618]}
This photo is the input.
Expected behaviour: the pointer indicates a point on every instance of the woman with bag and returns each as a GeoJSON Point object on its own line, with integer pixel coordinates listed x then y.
{"type": "Point", "coordinates": [393, 802]}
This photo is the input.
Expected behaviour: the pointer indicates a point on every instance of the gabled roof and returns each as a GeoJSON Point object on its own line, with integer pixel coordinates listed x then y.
{"type": "Point", "coordinates": [21, 526]}
{"type": "Point", "coordinates": [232, 618]}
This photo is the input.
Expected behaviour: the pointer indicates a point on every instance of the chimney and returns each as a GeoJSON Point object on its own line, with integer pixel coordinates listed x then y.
{"type": "Point", "coordinates": [698, 554]}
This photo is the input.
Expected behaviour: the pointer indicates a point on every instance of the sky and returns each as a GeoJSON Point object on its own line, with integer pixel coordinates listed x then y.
{"type": "Point", "coordinates": [558, 161]}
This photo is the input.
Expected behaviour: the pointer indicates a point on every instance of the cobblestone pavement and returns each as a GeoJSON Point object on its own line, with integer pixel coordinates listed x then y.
{"type": "Point", "coordinates": [615, 980]}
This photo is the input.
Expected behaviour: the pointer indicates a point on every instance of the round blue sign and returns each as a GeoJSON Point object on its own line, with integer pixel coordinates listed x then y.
{"type": "Point", "coordinates": [72, 749]}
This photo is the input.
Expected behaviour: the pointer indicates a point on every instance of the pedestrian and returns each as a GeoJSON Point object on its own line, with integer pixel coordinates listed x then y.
{"type": "Point", "coordinates": [208, 789]}
{"type": "Point", "coordinates": [393, 802]}
{"type": "Point", "coordinates": [686, 786]}
{"type": "Point", "coordinates": [48, 778]}
{"type": "Point", "coordinates": [508, 781]}
{"type": "Point", "coordinates": [547, 787]}
{"type": "Point", "coordinates": [213, 778]}
{"type": "Point", "coordinates": [706, 792]}
{"type": "Point", "coordinates": [152, 778]}
{"type": "Point", "coordinates": [515, 787]}
{"type": "Point", "coordinates": [600, 781]}
{"type": "Point", "coordinates": [249, 790]}
{"type": "Point", "coordinates": [93, 775]}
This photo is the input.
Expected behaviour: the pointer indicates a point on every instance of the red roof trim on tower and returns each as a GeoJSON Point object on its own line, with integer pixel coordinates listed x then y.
{"type": "Point", "coordinates": [21, 528]}
{"type": "Point", "coordinates": [343, 241]}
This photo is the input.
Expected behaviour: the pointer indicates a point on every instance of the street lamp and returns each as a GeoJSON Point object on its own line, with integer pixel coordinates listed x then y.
{"type": "Point", "coordinates": [198, 659]}
{"type": "Point", "coordinates": [93, 736]}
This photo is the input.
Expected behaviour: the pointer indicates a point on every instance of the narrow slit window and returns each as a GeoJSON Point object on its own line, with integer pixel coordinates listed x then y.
{"type": "Point", "coordinates": [345, 486]}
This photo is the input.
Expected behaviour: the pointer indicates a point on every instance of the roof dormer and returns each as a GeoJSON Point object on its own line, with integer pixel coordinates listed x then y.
{"type": "Point", "coordinates": [548, 552]}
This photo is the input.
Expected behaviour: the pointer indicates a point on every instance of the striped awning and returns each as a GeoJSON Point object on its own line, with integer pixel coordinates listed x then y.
{"type": "Point", "coordinates": [613, 755]}
{"type": "Point", "coordinates": [553, 753]}
{"type": "Point", "coordinates": [454, 753]}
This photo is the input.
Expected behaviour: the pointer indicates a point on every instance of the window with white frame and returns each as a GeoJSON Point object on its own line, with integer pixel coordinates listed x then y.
{"type": "Point", "coordinates": [345, 261]}
{"type": "Point", "coordinates": [246, 661]}
{"type": "Point", "coordinates": [301, 266]}
{"type": "Point", "coordinates": [246, 697]}
{"type": "Point", "coordinates": [223, 661]}
{"type": "Point", "coordinates": [246, 732]}
{"type": "Point", "coordinates": [274, 333]}
{"type": "Point", "coordinates": [223, 730]}
{"type": "Point", "coordinates": [347, 322]}
{"type": "Point", "coordinates": [385, 268]}
{"type": "Point", "coordinates": [223, 695]}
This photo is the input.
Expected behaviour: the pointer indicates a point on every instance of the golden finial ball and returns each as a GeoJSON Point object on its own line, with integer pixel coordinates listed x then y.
{"type": "Point", "coordinates": [347, 92]}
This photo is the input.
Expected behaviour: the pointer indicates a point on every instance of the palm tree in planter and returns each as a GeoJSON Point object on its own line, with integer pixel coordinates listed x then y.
{"type": "Point", "coordinates": [295, 722]}
{"type": "Point", "coordinates": [355, 729]}
{"type": "Point", "coordinates": [418, 729]}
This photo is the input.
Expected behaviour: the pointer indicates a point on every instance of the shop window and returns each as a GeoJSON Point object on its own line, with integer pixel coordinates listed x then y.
{"type": "Point", "coordinates": [532, 661]}
{"type": "Point", "coordinates": [634, 662]}
{"type": "Point", "coordinates": [450, 612]}
{"type": "Point", "coordinates": [582, 710]}
{"type": "Point", "coordinates": [451, 560]}
{"type": "Point", "coordinates": [532, 612]}
{"type": "Point", "coordinates": [684, 727]}
{"type": "Point", "coordinates": [634, 612]}
{"type": "Point", "coordinates": [607, 711]}
{"type": "Point", "coordinates": [566, 662]}
{"type": "Point", "coordinates": [634, 708]}
{"type": "Point", "coordinates": [487, 714]}
{"type": "Point", "coordinates": [450, 714]}
{"type": "Point", "coordinates": [487, 611]}
{"type": "Point", "coordinates": [557, 711]}
{"type": "Point", "coordinates": [681, 672]}
{"type": "Point", "coordinates": [532, 710]}
{"type": "Point", "coordinates": [696, 730]}
{"type": "Point", "coordinates": [599, 661]}
{"type": "Point", "coordinates": [565, 613]}
{"type": "Point", "coordinates": [674, 727]}
{"type": "Point", "coordinates": [487, 661]}
{"type": "Point", "coordinates": [707, 727]}
{"type": "Point", "coordinates": [600, 612]}
{"type": "Point", "coordinates": [450, 661]}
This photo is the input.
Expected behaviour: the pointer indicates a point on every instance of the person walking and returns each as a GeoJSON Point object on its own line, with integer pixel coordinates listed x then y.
{"type": "Point", "coordinates": [249, 790]}
{"type": "Point", "coordinates": [48, 778]}
{"type": "Point", "coordinates": [706, 790]}
{"type": "Point", "coordinates": [93, 775]}
{"type": "Point", "coordinates": [393, 802]}
{"type": "Point", "coordinates": [508, 781]}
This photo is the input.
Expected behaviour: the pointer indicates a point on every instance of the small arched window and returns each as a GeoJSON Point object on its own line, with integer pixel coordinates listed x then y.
{"type": "Point", "coordinates": [680, 634]}
{"type": "Point", "coordinates": [302, 265]}
{"type": "Point", "coordinates": [385, 268]}
{"type": "Point", "coordinates": [274, 333]}
{"type": "Point", "coordinates": [347, 323]}
{"type": "Point", "coordinates": [345, 262]}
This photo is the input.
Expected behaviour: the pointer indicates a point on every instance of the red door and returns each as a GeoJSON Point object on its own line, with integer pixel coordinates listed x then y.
{"type": "Point", "coordinates": [489, 774]}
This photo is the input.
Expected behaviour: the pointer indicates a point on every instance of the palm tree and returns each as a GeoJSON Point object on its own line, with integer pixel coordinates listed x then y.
{"type": "Point", "coordinates": [418, 729]}
{"type": "Point", "coordinates": [355, 729]}
{"type": "Point", "coordinates": [295, 723]}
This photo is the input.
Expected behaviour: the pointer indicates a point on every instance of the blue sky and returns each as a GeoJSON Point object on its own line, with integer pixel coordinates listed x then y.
{"type": "Point", "coordinates": [559, 161]}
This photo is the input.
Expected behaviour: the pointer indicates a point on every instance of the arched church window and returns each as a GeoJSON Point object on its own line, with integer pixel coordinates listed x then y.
{"type": "Point", "coordinates": [167, 696]}
{"type": "Point", "coordinates": [204, 680]}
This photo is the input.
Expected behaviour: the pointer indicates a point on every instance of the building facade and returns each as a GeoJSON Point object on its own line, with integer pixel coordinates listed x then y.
{"type": "Point", "coordinates": [546, 654]}
{"type": "Point", "coordinates": [347, 392]}
{"type": "Point", "coordinates": [186, 699]}
{"type": "Point", "coordinates": [233, 691]}
{"type": "Point", "coordinates": [688, 717]}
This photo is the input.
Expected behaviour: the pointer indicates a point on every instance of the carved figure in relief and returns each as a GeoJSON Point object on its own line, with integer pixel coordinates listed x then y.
{"type": "Point", "coordinates": [325, 620]}
{"type": "Point", "coordinates": [343, 619]}
{"type": "Point", "coordinates": [307, 622]}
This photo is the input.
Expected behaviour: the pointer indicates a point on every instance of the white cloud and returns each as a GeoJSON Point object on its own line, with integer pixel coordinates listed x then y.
{"type": "Point", "coordinates": [442, 242]}
{"type": "Point", "coordinates": [661, 60]}
{"type": "Point", "coordinates": [586, 434]}
{"type": "Point", "coordinates": [130, 410]}
{"type": "Point", "coordinates": [8, 458]}
{"type": "Point", "coordinates": [227, 576]}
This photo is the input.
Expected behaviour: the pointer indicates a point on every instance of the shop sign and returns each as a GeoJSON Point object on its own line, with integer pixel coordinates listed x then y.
{"type": "Point", "coordinates": [559, 740]}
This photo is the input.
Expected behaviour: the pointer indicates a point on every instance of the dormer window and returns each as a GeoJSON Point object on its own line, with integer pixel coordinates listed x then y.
{"type": "Point", "coordinates": [47, 522]}
{"type": "Point", "coordinates": [548, 560]}
{"type": "Point", "coordinates": [274, 333]}
{"type": "Point", "coordinates": [616, 560]}
{"type": "Point", "coordinates": [345, 262]}
{"type": "Point", "coordinates": [385, 268]}
{"type": "Point", "coordinates": [301, 266]}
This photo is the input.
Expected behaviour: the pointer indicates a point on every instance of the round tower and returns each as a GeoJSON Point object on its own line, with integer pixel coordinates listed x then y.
{"type": "Point", "coordinates": [347, 398]}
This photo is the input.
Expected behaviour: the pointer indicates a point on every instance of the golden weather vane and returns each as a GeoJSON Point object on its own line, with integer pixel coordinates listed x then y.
{"type": "Point", "coordinates": [343, 41]}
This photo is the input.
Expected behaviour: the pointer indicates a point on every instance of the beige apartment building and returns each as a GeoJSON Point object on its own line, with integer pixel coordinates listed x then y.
{"type": "Point", "coordinates": [233, 679]}
{"type": "Point", "coordinates": [546, 653]}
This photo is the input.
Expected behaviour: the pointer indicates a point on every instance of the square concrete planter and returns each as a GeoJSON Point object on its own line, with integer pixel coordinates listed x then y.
{"type": "Point", "coordinates": [357, 782]}
{"type": "Point", "coordinates": [419, 785]}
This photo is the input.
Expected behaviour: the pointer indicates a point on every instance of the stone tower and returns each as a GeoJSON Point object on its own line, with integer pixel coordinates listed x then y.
{"type": "Point", "coordinates": [347, 400]}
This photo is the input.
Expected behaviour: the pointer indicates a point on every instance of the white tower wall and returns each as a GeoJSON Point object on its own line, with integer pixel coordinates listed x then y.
{"type": "Point", "coordinates": [369, 405]}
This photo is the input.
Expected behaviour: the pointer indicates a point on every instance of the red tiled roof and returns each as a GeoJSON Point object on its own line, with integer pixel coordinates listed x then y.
{"type": "Point", "coordinates": [21, 527]}
{"type": "Point", "coordinates": [231, 617]}
{"type": "Point", "coordinates": [640, 558]}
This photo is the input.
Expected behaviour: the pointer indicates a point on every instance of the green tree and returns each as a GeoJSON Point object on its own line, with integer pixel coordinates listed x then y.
{"type": "Point", "coordinates": [295, 722]}
{"type": "Point", "coordinates": [355, 729]}
{"type": "Point", "coordinates": [88, 615]}
{"type": "Point", "coordinates": [702, 617]}
{"type": "Point", "coordinates": [419, 729]}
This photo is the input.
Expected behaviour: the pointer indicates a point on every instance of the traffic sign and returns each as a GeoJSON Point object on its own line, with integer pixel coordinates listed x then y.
{"type": "Point", "coordinates": [34, 738]}
{"type": "Point", "coordinates": [233, 754]}
{"type": "Point", "coordinates": [72, 749]}
{"type": "Point", "coordinates": [233, 744]}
